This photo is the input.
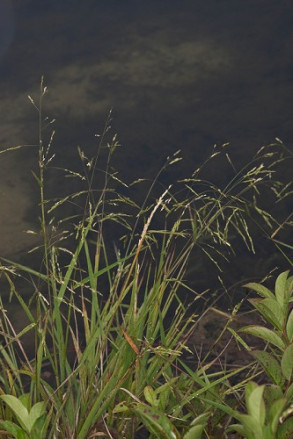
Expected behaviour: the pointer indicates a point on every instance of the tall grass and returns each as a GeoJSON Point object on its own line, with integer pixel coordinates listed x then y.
{"type": "Point", "coordinates": [111, 324]}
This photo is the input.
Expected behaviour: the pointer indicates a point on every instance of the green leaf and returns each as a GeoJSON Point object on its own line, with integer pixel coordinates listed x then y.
{"type": "Point", "coordinates": [289, 392]}
{"type": "Point", "coordinates": [270, 310]}
{"type": "Point", "coordinates": [26, 419]}
{"type": "Point", "coordinates": [25, 399]}
{"type": "Point", "coordinates": [289, 288]}
{"type": "Point", "coordinates": [270, 365]}
{"type": "Point", "coordinates": [150, 396]}
{"type": "Point", "coordinates": [250, 386]}
{"type": "Point", "coordinates": [37, 431]}
{"type": "Point", "coordinates": [280, 288]}
{"type": "Point", "coordinates": [239, 429]}
{"type": "Point", "coordinates": [13, 429]}
{"type": "Point", "coordinates": [155, 422]}
{"type": "Point", "coordinates": [272, 393]}
{"type": "Point", "coordinates": [260, 289]}
{"type": "Point", "coordinates": [285, 430]}
{"type": "Point", "coordinates": [266, 334]}
{"type": "Point", "coordinates": [36, 412]}
{"type": "Point", "coordinates": [239, 339]}
{"type": "Point", "coordinates": [194, 432]}
{"type": "Point", "coordinates": [275, 412]}
{"type": "Point", "coordinates": [18, 409]}
{"type": "Point", "coordinates": [201, 419]}
{"type": "Point", "coordinates": [252, 427]}
{"type": "Point", "coordinates": [37, 178]}
{"type": "Point", "coordinates": [287, 362]}
{"type": "Point", "coordinates": [255, 404]}
{"type": "Point", "coordinates": [289, 326]}
{"type": "Point", "coordinates": [162, 394]}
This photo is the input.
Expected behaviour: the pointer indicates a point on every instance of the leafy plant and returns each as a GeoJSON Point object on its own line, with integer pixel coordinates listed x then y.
{"type": "Point", "coordinates": [269, 406]}
{"type": "Point", "coordinates": [276, 309]}
{"type": "Point", "coordinates": [110, 323]}
{"type": "Point", "coordinates": [31, 421]}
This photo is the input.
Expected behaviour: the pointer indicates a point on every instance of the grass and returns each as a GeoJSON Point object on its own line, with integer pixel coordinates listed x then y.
{"type": "Point", "coordinates": [110, 324]}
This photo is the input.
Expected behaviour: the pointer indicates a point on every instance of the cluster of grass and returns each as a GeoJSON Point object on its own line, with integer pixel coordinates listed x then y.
{"type": "Point", "coordinates": [110, 323]}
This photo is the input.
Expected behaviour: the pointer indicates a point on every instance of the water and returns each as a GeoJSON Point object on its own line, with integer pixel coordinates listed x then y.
{"type": "Point", "coordinates": [178, 74]}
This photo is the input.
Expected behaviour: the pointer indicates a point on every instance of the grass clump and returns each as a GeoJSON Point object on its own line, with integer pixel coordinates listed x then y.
{"type": "Point", "coordinates": [110, 324]}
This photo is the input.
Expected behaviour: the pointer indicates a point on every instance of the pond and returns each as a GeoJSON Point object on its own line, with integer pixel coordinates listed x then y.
{"type": "Point", "coordinates": [178, 74]}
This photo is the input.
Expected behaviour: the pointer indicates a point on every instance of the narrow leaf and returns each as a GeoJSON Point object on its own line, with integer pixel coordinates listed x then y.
{"type": "Point", "coordinates": [239, 339]}
{"type": "Point", "coordinates": [130, 341]}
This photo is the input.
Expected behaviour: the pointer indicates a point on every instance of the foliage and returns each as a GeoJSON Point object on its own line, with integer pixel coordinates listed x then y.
{"type": "Point", "coordinates": [110, 324]}
{"type": "Point", "coordinates": [31, 420]}
{"type": "Point", "coordinates": [270, 406]}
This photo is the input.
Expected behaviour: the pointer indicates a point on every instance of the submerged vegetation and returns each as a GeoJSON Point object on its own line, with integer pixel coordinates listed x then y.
{"type": "Point", "coordinates": [114, 304]}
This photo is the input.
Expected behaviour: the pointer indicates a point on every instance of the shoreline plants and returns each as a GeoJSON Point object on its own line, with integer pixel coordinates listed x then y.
{"type": "Point", "coordinates": [111, 322]}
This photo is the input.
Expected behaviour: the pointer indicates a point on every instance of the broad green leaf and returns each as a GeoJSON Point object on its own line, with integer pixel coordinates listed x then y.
{"type": "Point", "coordinates": [276, 311]}
{"type": "Point", "coordinates": [289, 326]}
{"type": "Point", "coordinates": [270, 310]}
{"type": "Point", "coordinates": [289, 288]}
{"type": "Point", "coordinates": [18, 409]}
{"type": "Point", "coordinates": [194, 433]}
{"type": "Point", "coordinates": [280, 287]}
{"type": "Point", "coordinates": [25, 399]}
{"type": "Point", "coordinates": [260, 289]}
{"type": "Point", "coordinates": [285, 430]}
{"type": "Point", "coordinates": [121, 408]}
{"type": "Point", "coordinates": [14, 429]}
{"type": "Point", "coordinates": [36, 412]}
{"type": "Point", "coordinates": [275, 412]}
{"type": "Point", "coordinates": [272, 393]}
{"type": "Point", "coordinates": [266, 334]}
{"type": "Point", "coordinates": [287, 362]}
{"type": "Point", "coordinates": [256, 406]}
{"type": "Point", "coordinates": [150, 396]}
{"type": "Point", "coordinates": [253, 428]}
{"type": "Point", "coordinates": [270, 365]}
{"type": "Point", "coordinates": [250, 386]}
{"type": "Point", "coordinates": [163, 395]}
{"type": "Point", "coordinates": [37, 431]}
{"type": "Point", "coordinates": [289, 392]}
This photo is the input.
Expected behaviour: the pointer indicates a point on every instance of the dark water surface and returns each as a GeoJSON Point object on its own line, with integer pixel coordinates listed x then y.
{"type": "Point", "coordinates": [178, 74]}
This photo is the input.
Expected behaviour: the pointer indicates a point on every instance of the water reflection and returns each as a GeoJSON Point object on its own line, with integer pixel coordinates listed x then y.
{"type": "Point", "coordinates": [6, 26]}
{"type": "Point", "coordinates": [178, 74]}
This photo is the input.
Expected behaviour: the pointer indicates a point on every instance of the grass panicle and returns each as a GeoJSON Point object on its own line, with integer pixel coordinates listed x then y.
{"type": "Point", "coordinates": [110, 324]}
